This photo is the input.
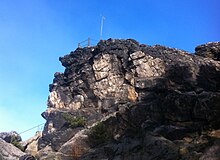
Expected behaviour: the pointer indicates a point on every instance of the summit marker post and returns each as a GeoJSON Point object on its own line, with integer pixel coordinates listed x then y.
{"type": "Point", "coordinates": [102, 22]}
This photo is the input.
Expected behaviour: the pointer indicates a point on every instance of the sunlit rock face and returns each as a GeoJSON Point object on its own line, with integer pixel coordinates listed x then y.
{"type": "Point", "coordinates": [9, 151]}
{"type": "Point", "coordinates": [155, 101]}
{"type": "Point", "coordinates": [31, 145]}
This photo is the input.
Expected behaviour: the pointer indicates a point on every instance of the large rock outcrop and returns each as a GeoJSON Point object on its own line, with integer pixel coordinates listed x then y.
{"type": "Point", "coordinates": [122, 100]}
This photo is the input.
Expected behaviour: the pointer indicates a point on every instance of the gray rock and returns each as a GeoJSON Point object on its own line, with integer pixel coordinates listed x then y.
{"type": "Point", "coordinates": [9, 151]}
{"type": "Point", "coordinates": [9, 136]}
{"type": "Point", "coordinates": [209, 50]}
{"type": "Point", "coordinates": [31, 145]}
{"type": "Point", "coordinates": [135, 90]}
{"type": "Point", "coordinates": [27, 157]}
{"type": "Point", "coordinates": [212, 152]}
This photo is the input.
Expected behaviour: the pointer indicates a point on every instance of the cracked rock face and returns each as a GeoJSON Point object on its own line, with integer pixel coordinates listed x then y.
{"type": "Point", "coordinates": [153, 93]}
{"type": "Point", "coordinates": [146, 66]}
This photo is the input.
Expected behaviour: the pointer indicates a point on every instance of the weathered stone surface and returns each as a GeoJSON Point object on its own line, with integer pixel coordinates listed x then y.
{"type": "Point", "coordinates": [31, 145]}
{"type": "Point", "coordinates": [9, 151]}
{"type": "Point", "coordinates": [76, 146]}
{"type": "Point", "coordinates": [44, 153]}
{"type": "Point", "coordinates": [209, 50]}
{"type": "Point", "coordinates": [156, 102]}
{"type": "Point", "coordinates": [9, 136]}
{"type": "Point", "coordinates": [150, 147]}
{"type": "Point", "coordinates": [27, 157]}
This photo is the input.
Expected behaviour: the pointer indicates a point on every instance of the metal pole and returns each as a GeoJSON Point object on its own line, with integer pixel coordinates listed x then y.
{"type": "Point", "coordinates": [88, 42]}
{"type": "Point", "coordinates": [102, 21]}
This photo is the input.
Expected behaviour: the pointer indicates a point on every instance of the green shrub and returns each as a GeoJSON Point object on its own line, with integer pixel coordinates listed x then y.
{"type": "Point", "coordinates": [99, 134]}
{"type": "Point", "coordinates": [74, 122]}
{"type": "Point", "coordinates": [16, 143]}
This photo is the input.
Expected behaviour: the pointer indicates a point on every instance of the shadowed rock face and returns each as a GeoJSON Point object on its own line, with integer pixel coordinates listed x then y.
{"type": "Point", "coordinates": [150, 98]}
{"type": "Point", "coordinates": [209, 50]}
{"type": "Point", "coordinates": [10, 136]}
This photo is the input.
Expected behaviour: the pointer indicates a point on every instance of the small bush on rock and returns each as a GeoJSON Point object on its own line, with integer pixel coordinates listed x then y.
{"type": "Point", "coordinates": [74, 122]}
{"type": "Point", "coordinates": [16, 143]}
{"type": "Point", "coordinates": [99, 134]}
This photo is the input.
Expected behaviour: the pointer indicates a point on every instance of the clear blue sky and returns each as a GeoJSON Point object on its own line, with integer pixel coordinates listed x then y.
{"type": "Point", "coordinates": [35, 33]}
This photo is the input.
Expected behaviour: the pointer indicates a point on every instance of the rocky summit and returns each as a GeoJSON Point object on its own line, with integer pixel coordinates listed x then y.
{"type": "Point", "coordinates": [121, 100]}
